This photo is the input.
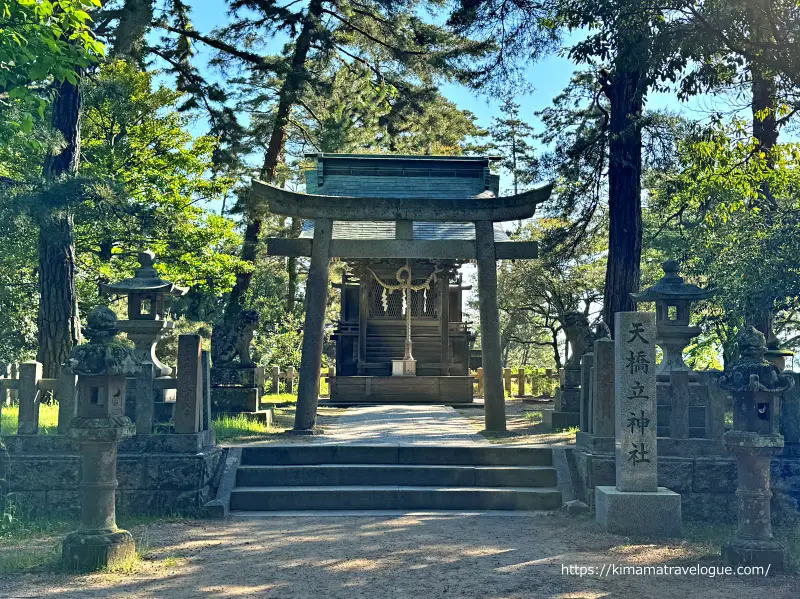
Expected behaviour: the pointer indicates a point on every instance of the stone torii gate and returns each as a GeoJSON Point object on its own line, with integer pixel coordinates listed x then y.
{"type": "Point", "coordinates": [483, 212]}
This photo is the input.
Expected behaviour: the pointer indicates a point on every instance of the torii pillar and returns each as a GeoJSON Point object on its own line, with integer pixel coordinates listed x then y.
{"type": "Point", "coordinates": [314, 327]}
{"type": "Point", "coordinates": [494, 399]}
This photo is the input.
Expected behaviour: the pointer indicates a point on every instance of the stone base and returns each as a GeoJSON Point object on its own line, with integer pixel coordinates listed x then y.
{"type": "Point", "coordinates": [404, 368]}
{"type": "Point", "coordinates": [230, 400]}
{"type": "Point", "coordinates": [241, 376]}
{"type": "Point", "coordinates": [764, 554]}
{"type": "Point", "coordinates": [638, 513]}
{"type": "Point", "coordinates": [163, 411]}
{"type": "Point", "coordinates": [568, 399]}
{"type": "Point", "coordinates": [84, 552]}
{"type": "Point", "coordinates": [304, 432]}
{"type": "Point", "coordinates": [556, 420]}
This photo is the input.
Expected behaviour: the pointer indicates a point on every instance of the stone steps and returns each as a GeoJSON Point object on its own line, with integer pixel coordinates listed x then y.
{"type": "Point", "coordinates": [359, 497]}
{"type": "Point", "coordinates": [440, 455]}
{"type": "Point", "coordinates": [394, 477]}
{"type": "Point", "coordinates": [417, 475]}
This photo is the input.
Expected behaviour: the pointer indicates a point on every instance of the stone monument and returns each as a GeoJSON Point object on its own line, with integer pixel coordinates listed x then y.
{"type": "Point", "coordinates": [636, 505]}
{"type": "Point", "coordinates": [234, 375]}
{"type": "Point", "coordinates": [756, 385]}
{"type": "Point", "coordinates": [566, 411]}
{"type": "Point", "coordinates": [102, 366]}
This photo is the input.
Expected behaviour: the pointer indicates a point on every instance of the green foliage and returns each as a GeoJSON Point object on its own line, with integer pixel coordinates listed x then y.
{"type": "Point", "coordinates": [533, 295]}
{"type": "Point", "coordinates": [709, 213]}
{"type": "Point", "coordinates": [142, 184]}
{"type": "Point", "coordinates": [151, 177]}
{"type": "Point", "coordinates": [41, 41]}
{"type": "Point", "coordinates": [48, 419]}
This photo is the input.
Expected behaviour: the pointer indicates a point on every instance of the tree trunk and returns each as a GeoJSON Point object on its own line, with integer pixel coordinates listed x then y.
{"type": "Point", "coordinates": [624, 91]}
{"type": "Point", "coordinates": [291, 267]}
{"type": "Point", "coordinates": [287, 98]}
{"type": "Point", "coordinates": [57, 318]}
{"type": "Point", "coordinates": [765, 131]}
{"type": "Point", "coordinates": [556, 352]}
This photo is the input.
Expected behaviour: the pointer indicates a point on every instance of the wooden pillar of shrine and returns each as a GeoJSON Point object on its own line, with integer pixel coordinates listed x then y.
{"type": "Point", "coordinates": [314, 328]}
{"type": "Point", "coordinates": [444, 321]}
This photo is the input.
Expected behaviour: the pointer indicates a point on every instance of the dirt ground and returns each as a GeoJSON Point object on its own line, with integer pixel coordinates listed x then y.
{"type": "Point", "coordinates": [453, 556]}
{"type": "Point", "coordinates": [524, 424]}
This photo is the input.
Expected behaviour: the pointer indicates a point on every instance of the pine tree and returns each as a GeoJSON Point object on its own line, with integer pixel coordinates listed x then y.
{"type": "Point", "coordinates": [512, 136]}
{"type": "Point", "coordinates": [386, 37]}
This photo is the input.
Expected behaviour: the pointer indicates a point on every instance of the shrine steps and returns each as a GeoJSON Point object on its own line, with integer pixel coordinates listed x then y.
{"type": "Point", "coordinates": [394, 477]}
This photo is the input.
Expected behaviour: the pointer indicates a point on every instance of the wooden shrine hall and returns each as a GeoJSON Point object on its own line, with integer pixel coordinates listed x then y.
{"type": "Point", "coordinates": [404, 225]}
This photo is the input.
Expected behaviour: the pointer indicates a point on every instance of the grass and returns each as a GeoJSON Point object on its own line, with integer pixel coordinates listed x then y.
{"type": "Point", "coordinates": [48, 419]}
{"type": "Point", "coordinates": [230, 429]}
{"type": "Point", "coordinates": [279, 398]}
{"type": "Point", "coordinates": [35, 544]}
{"type": "Point", "coordinates": [534, 417]}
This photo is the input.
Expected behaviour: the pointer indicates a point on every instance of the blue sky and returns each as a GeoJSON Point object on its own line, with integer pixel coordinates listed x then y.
{"type": "Point", "coordinates": [546, 78]}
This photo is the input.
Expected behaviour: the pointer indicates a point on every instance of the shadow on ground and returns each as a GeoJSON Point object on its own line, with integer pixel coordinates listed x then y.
{"type": "Point", "coordinates": [385, 557]}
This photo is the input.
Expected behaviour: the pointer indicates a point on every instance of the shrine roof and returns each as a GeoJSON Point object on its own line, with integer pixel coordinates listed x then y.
{"type": "Point", "coordinates": [386, 230]}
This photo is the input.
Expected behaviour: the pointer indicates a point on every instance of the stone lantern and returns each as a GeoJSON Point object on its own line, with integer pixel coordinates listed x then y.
{"type": "Point", "coordinates": [102, 366]}
{"type": "Point", "coordinates": [146, 324]}
{"type": "Point", "coordinates": [673, 298]}
{"type": "Point", "coordinates": [756, 385]}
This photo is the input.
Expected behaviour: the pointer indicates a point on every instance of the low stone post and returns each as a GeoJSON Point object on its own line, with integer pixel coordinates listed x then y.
{"type": "Point", "coordinates": [205, 369]}
{"type": "Point", "coordinates": [507, 380]}
{"type": "Point", "coordinates": [5, 392]}
{"type": "Point", "coordinates": [145, 398]}
{"type": "Point", "coordinates": [188, 408]}
{"type": "Point", "coordinates": [603, 412]}
{"type": "Point", "coordinates": [290, 375]}
{"type": "Point", "coordinates": [637, 505]}
{"type": "Point", "coordinates": [587, 363]}
{"type": "Point", "coordinates": [29, 398]}
{"type": "Point", "coordinates": [14, 395]}
{"type": "Point", "coordinates": [101, 366]}
{"type": "Point", "coordinates": [67, 395]}
{"type": "Point", "coordinates": [757, 386]}
{"type": "Point", "coordinates": [276, 380]}
{"type": "Point", "coordinates": [480, 382]}
{"type": "Point", "coordinates": [521, 382]}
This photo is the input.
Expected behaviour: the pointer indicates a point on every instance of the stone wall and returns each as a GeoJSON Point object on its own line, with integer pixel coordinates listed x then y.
{"type": "Point", "coordinates": [157, 474]}
{"type": "Point", "coordinates": [707, 484]}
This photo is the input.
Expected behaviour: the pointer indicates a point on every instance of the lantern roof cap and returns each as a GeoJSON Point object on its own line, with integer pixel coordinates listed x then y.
{"type": "Point", "coordinates": [672, 287]}
{"type": "Point", "coordinates": [103, 354]}
{"type": "Point", "coordinates": [145, 279]}
{"type": "Point", "coordinates": [752, 371]}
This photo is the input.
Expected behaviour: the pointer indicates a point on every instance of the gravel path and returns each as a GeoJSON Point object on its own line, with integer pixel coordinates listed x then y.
{"type": "Point", "coordinates": [415, 425]}
{"type": "Point", "coordinates": [392, 558]}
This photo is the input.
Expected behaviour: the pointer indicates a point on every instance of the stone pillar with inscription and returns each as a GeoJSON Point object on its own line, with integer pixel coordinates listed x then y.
{"type": "Point", "coordinates": [636, 505]}
{"type": "Point", "coordinates": [566, 411]}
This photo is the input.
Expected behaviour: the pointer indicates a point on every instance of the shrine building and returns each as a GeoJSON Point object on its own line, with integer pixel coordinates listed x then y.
{"type": "Point", "coordinates": [404, 225]}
